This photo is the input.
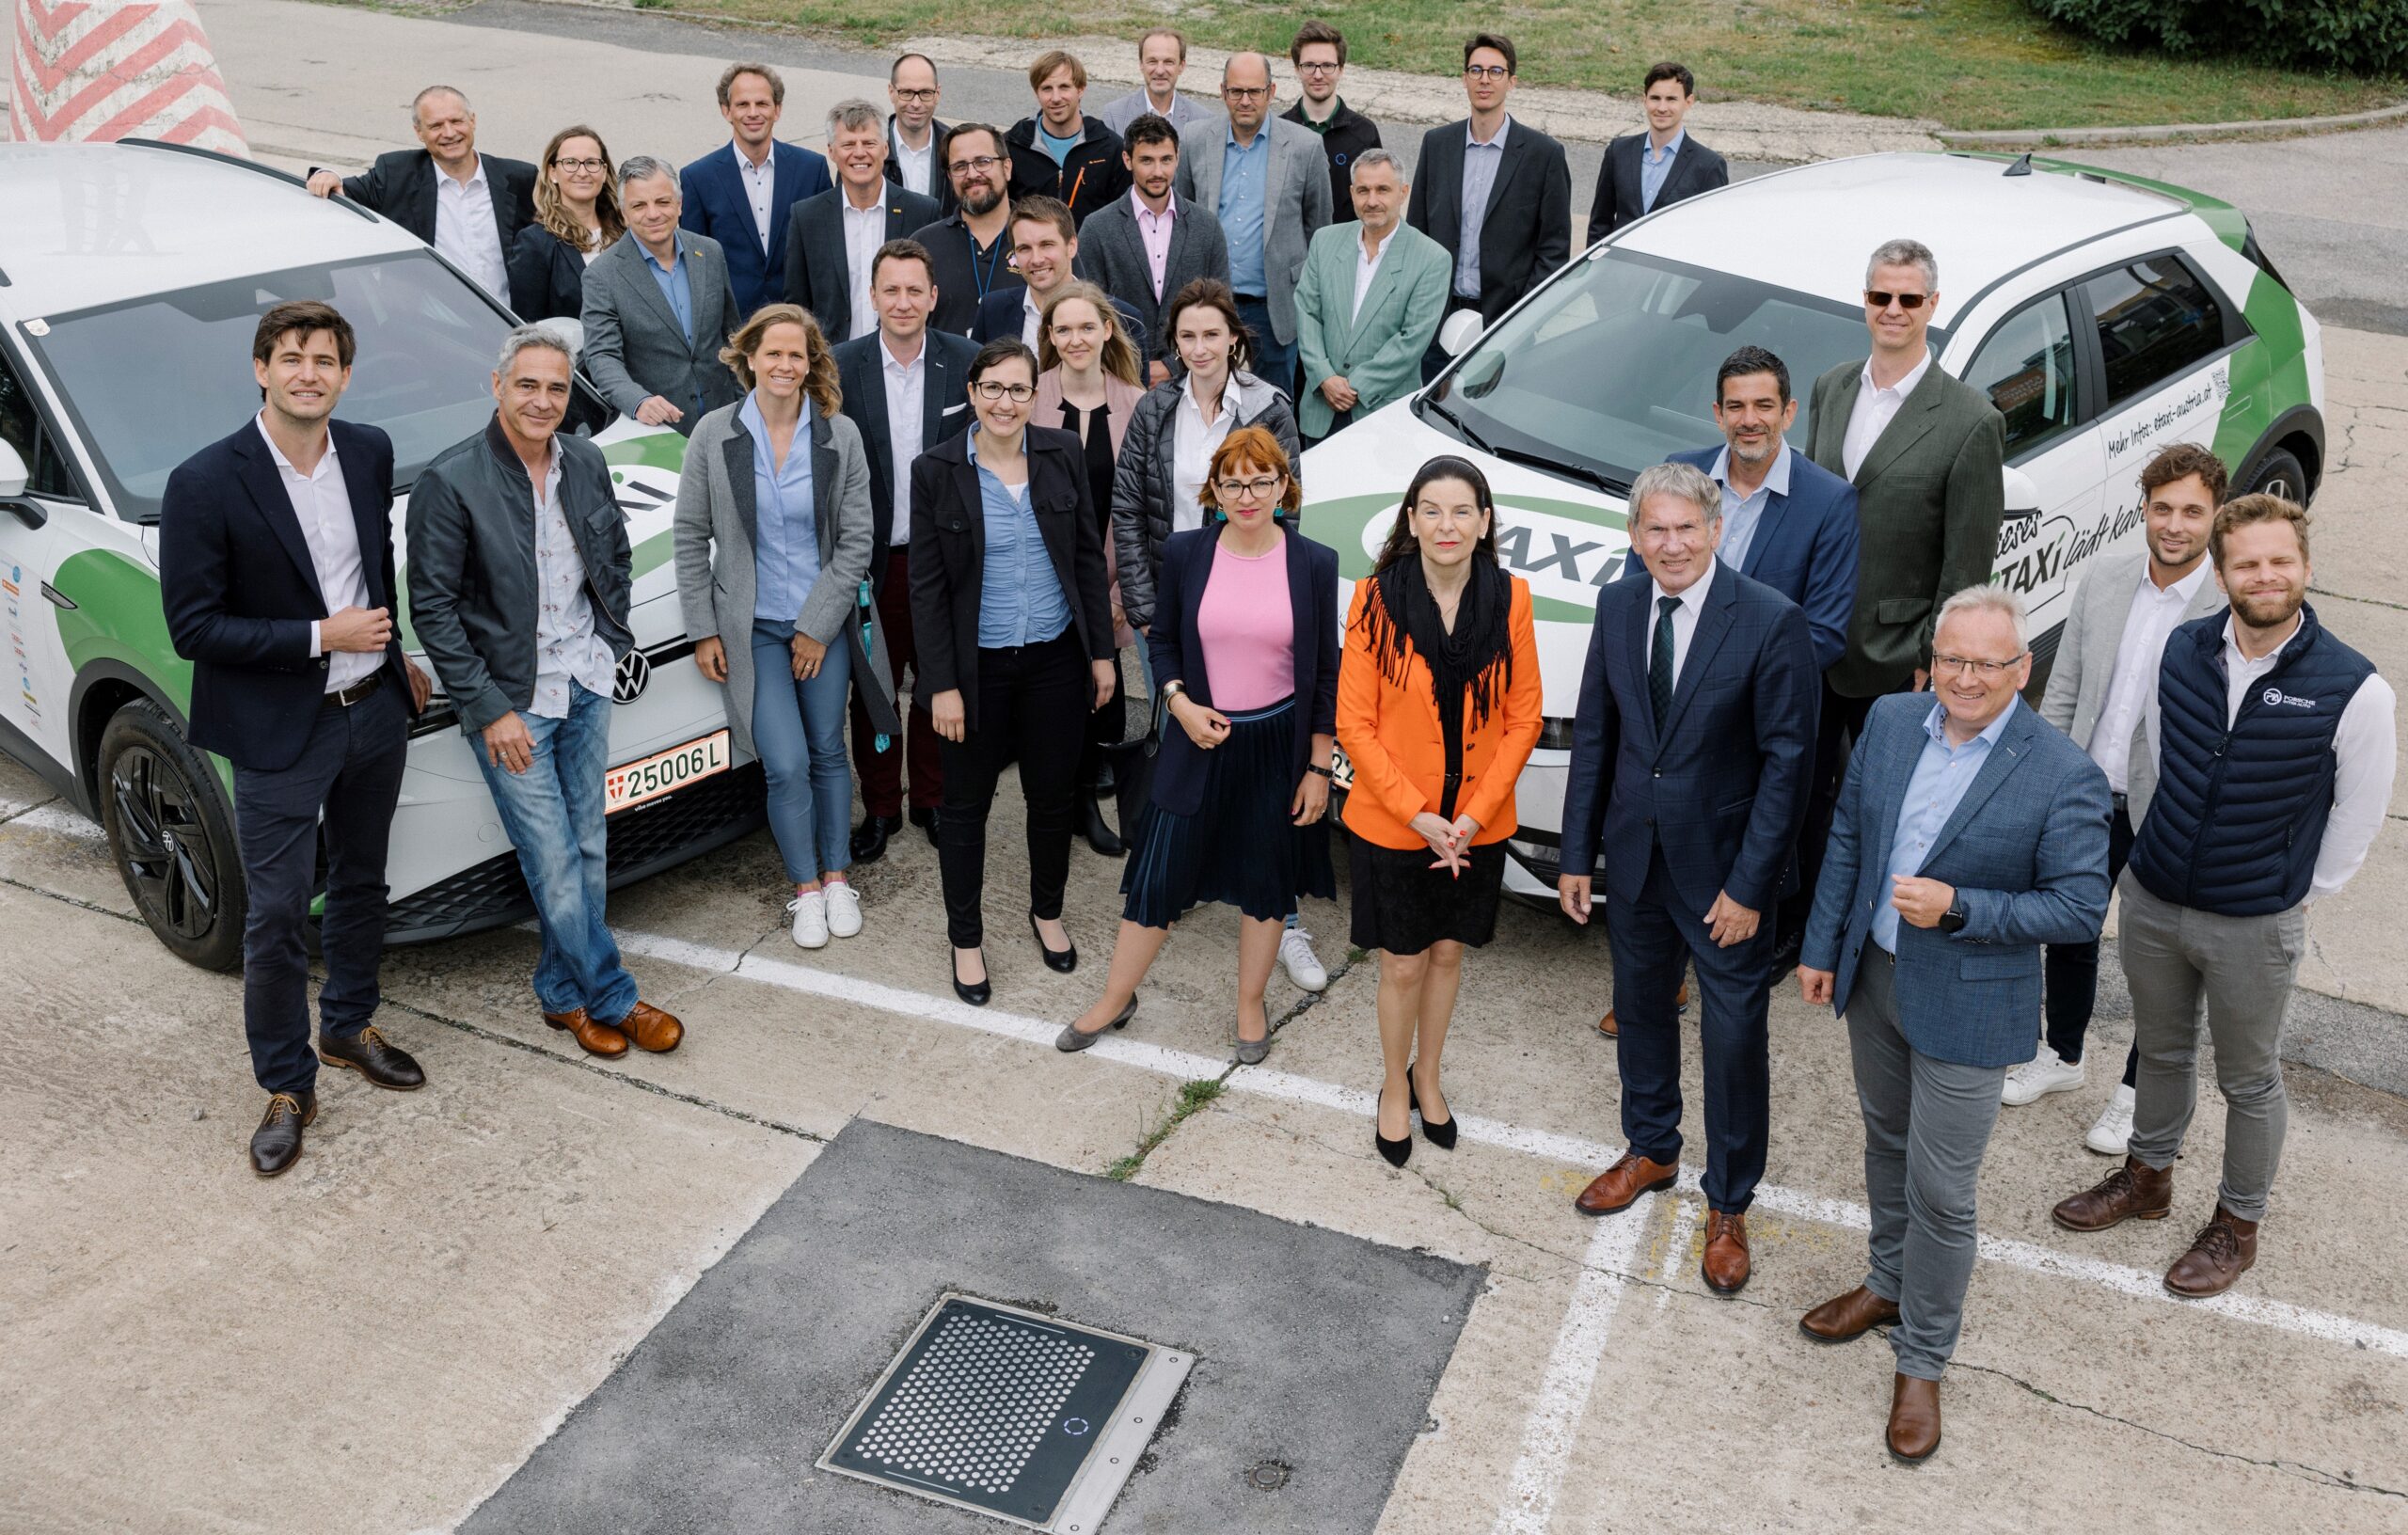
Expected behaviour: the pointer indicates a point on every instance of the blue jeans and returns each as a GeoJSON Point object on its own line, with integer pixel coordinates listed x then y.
{"type": "Point", "coordinates": [799, 730]}
{"type": "Point", "coordinates": [553, 813]}
{"type": "Point", "coordinates": [1273, 363]}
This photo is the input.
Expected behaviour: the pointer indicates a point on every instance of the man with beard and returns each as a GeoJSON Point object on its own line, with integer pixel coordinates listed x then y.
{"type": "Point", "coordinates": [2274, 751]}
{"type": "Point", "coordinates": [970, 249]}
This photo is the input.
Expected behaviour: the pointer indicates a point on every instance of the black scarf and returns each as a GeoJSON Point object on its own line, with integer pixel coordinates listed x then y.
{"type": "Point", "coordinates": [1475, 658]}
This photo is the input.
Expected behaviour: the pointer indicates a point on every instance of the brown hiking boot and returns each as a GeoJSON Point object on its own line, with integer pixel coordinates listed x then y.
{"type": "Point", "coordinates": [2220, 1254]}
{"type": "Point", "coordinates": [2135, 1192]}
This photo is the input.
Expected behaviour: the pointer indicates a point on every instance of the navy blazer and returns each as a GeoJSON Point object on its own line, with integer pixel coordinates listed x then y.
{"type": "Point", "coordinates": [240, 592]}
{"type": "Point", "coordinates": [2026, 850]}
{"type": "Point", "coordinates": [944, 412]}
{"type": "Point", "coordinates": [1179, 653]}
{"type": "Point", "coordinates": [717, 205]}
{"type": "Point", "coordinates": [546, 277]}
{"type": "Point", "coordinates": [1620, 173]}
{"type": "Point", "coordinates": [999, 315]}
{"type": "Point", "coordinates": [1804, 547]}
{"type": "Point", "coordinates": [1722, 788]}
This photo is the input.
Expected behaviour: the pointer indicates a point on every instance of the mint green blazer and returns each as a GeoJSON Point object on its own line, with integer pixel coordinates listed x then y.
{"type": "Point", "coordinates": [1379, 351]}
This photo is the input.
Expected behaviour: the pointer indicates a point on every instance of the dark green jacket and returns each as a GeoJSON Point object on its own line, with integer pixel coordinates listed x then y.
{"type": "Point", "coordinates": [1929, 499]}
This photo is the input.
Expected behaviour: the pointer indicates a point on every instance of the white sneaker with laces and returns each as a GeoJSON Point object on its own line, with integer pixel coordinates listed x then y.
{"type": "Point", "coordinates": [844, 908]}
{"type": "Point", "coordinates": [1297, 958]}
{"type": "Point", "coordinates": [2111, 1134]}
{"type": "Point", "coordinates": [2042, 1075]}
{"type": "Point", "coordinates": [809, 914]}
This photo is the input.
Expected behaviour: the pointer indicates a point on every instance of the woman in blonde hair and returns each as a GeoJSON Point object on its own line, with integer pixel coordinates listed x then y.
{"type": "Point", "coordinates": [773, 542]}
{"type": "Point", "coordinates": [577, 218]}
{"type": "Point", "coordinates": [1089, 388]}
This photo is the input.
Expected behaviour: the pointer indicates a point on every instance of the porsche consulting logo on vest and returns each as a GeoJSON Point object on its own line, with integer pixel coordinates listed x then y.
{"type": "Point", "coordinates": [2274, 698]}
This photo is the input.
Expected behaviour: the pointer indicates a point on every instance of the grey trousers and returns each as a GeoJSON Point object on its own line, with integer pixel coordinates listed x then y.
{"type": "Point", "coordinates": [2245, 967]}
{"type": "Point", "coordinates": [1926, 1124]}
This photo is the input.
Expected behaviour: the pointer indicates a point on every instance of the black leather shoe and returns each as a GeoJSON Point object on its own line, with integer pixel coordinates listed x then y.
{"type": "Point", "coordinates": [1098, 831]}
{"type": "Point", "coordinates": [925, 817]}
{"type": "Point", "coordinates": [869, 838]}
{"type": "Point", "coordinates": [1393, 1152]}
{"type": "Point", "coordinates": [1786, 950]}
{"type": "Point", "coordinates": [1107, 777]}
{"type": "Point", "coordinates": [277, 1144]}
{"type": "Point", "coordinates": [977, 993]}
{"type": "Point", "coordinates": [1061, 961]}
{"type": "Point", "coordinates": [373, 1056]}
{"type": "Point", "coordinates": [1442, 1133]}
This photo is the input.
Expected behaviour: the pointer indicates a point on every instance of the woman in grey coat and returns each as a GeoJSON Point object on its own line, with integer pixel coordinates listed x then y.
{"type": "Point", "coordinates": [773, 538]}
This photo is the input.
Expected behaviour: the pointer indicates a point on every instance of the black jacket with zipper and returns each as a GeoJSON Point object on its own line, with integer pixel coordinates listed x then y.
{"type": "Point", "coordinates": [1088, 177]}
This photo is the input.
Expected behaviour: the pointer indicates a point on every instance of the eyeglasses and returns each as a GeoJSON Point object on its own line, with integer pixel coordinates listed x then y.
{"type": "Point", "coordinates": [1987, 671]}
{"type": "Point", "coordinates": [1021, 393]}
{"type": "Point", "coordinates": [984, 162]}
{"type": "Point", "coordinates": [587, 167]}
{"type": "Point", "coordinates": [1319, 68]}
{"type": "Point", "coordinates": [1245, 93]}
{"type": "Point", "coordinates": [928, 95]}
{"type": "Point", "coordinates": [1254, 490]}
{"type": "Point", "coordinates": [1875, 299]}
{"type": "Point", "coordinates": [1488, 71]}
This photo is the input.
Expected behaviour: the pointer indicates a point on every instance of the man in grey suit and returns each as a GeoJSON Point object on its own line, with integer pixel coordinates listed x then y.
{"type": "Point", "coordinates": [2124, 608]}
{"type": "Point", "coordinates": [1119, 242]}
{"type": "Point", "coordinates": [1925, 453]}
{"type": "Point", "coordinates": [657, 308]}
{"type": "Point", "coordinates": [833, 238]}
{"type": "Point", "coordinates": [1162, 58]}
{"type": "Point", "coordinates": [1969, 833]}
{"type": "Point", "coordinates": [1268, 181]}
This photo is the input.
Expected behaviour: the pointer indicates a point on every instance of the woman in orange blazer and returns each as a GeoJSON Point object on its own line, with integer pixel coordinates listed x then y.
{"type": "Point", "coordinates": [1438, 710]}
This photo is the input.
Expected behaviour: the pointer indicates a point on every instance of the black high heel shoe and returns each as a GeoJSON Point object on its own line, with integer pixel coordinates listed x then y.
{"type": "Point", "coordinates": [973, 992]}
{"type": "Point", "coordinates": [1441, 1132]}
{"type": "Point", "coordinates": [1061, 961]}
{"type": "Point", "coordinates": [1396, 1151]}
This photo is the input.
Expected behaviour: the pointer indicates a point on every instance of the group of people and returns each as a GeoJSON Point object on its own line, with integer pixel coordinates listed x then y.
{"type": "Point", "coordinates": [990, 406]}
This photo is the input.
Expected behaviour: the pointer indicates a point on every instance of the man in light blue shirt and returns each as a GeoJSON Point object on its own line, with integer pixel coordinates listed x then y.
{"type": "Point", "coordinates": [1942, 774]}
{"type": "Point", "coordinates": [1480, 160]}
{"type": "Point", "coordinates": [1743, 512]}
{"type": "Point", "coordinates": [1654, 163]}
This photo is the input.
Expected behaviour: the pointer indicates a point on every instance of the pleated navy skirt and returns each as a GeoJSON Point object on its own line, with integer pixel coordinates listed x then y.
{"type": "Point", "coordinates": [1241, 847]}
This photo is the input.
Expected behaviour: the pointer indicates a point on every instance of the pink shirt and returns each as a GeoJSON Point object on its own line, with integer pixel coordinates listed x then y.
{"type": "Point", "coordinates": [1247, 629]}
{"type": "Point", "coordinates": [1155, 230]}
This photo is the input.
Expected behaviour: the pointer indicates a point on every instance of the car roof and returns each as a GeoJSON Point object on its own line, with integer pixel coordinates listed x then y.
{"type": "Point", "coordinates": [96, 223]}
{"type": "Point", "coordinates": [1811, 228]}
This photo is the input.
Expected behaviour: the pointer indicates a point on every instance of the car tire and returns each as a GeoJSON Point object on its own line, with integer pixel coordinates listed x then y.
{"type": "Point", "coordinates": [2279, 473]}
{"type": "Point", "coordinates": [172, 835]}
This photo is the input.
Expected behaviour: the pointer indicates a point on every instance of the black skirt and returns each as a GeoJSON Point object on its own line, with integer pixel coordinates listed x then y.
{"type": "Point", "coordinates": [1403, 905]}
{"type": "Point", "coordinates": [1241, 847]}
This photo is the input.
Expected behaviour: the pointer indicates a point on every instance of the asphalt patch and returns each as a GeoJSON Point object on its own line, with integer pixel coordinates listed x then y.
{"type": "Point", "coordinates": [1315, 1353]}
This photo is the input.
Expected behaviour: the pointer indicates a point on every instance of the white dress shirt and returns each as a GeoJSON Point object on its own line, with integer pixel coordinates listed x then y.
{"type": "Point", "coordinates": [1192, 446]}
{"type": "Point", "coordinates": [906, 388]}
{"type": "Point", "coordinates": [322, 502]}
{"type": "Point", "coordinates": [1032, 318]}
{"type": "Point", "coordinates": [864, 232]}
{"type": "Point", "coordinates": [566, 648]}
{"type": "Point", "coordinates": [1692, 602]}
{"type": "Point", "coordinates": [1366, 268]}
{"type": "Point", "coordinates": [760, 188]}
{"type": "Point", "coordinates": [916, 166]}
{"type": "Point", "coordinates": [2139, 654]}
{"type": "Point", "coordinates": [1875, 409]}
{"type": "Point", "coordinates": [464, 232]}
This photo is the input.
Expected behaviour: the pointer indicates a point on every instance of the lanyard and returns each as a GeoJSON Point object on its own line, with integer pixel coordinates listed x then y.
{"type": "Point", "coordinates": [986, 281]}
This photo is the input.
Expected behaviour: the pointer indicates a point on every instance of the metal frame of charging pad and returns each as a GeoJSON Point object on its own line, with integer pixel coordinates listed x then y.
{"type": "Point", "coordinates": [1012, 1413]}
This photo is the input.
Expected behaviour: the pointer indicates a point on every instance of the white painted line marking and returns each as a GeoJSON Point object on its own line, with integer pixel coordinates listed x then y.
{"type": "Point", "coordinates": [1548, 1146]}
{"type": "Point", "coordinates": [1676, 1250]}
{"type": "Point", "coordinates": [1562, 1401]}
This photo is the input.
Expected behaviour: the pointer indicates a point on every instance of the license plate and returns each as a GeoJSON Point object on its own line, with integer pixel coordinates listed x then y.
{"type": "Point", "coordinates": [1341, 771]}
{"type": "Point", "coordinates": [633, 783]}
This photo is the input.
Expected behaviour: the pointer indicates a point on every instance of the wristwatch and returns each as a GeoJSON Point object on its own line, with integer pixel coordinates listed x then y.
{"type": "Point", "coordinates": [1953, 920]}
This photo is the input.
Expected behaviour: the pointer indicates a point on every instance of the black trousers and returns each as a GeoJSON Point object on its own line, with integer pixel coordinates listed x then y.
{"type": "Point", "coordinates": [1841, 723]}
{"type": "Point", "coordinates": [2069, 972]}
{"type": "Point", "coordinates": [351, 770]}
{"type": "Point", "coordinates": [1033, 707]}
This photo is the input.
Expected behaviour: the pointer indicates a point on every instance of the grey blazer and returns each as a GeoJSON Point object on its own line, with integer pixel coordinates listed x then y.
{"type": "Point", "coordinates": [1112, 255]}
{"type": "Point", "coordinates": [715, 531]}
{"type": "Point", "coordinates": [633, 347]}
{"type": "Point", "coordinates": [2085, 664]}
{"type": "Point", "coordinates": [1295, 205]}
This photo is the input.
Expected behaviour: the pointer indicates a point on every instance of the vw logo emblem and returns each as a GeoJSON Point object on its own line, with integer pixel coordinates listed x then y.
{"type": "Point", "coordinates": [633, 676]}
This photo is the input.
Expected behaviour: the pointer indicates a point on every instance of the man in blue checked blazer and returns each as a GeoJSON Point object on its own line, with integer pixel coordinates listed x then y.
{"type": "Point", "coordinates": [1968, 832]}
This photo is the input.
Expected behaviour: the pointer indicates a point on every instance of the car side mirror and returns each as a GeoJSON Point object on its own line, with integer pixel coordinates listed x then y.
{"type": "Point", "coordinates": [13, 473]}
{"type": "Point", "coordinates": [1459, 331]}
{"type": "Point", "coordinates": [2022, 496]}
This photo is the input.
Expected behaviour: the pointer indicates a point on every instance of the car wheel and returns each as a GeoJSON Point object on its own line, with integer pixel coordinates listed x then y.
{"type": "Point", "coordinates": [172, 835]}
{"type": "Point", "coordinates": [2279, 473]}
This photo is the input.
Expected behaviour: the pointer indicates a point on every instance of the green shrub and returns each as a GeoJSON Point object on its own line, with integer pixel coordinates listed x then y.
{"type": "Point", "coordinates": [2355, 37]}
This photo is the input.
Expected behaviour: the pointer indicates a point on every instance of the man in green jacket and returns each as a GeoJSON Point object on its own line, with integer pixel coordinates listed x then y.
{"type": "Point", "coordinates": [1372, 295]}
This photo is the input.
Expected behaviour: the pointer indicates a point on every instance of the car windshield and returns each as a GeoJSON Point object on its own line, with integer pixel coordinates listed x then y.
{"type": "Point", "coordinates": [151, 382]}
{"type": "Point", "coordinates": [1611, 367]}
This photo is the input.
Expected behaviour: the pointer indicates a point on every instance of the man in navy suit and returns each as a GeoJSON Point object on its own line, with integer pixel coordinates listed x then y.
{"type": "Point", "coordinates": [276, 571]}
{"type": "Point", "coordinates": [741, 193]}
{"type": "Point", "coordinates": [1690, 768]}
{"type": "Point", "coordinates": [1968, 832]}
{"type": "Point", "coordinates": [1641, 172]}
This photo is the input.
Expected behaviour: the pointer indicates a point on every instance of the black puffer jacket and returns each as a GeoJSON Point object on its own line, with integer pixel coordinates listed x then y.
{"type": "Point", "coordinates": [1142, 481]}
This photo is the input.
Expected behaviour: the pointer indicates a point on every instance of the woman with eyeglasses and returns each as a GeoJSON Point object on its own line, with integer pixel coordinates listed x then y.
{"type": "Point", "coordinates": [1091, 388]}
{"type": "Point", "coordinates": [1011, 610]}
{"type": "Point", "coordinates": [1245, 655]}
{"type": "Point", "coordinates": [577, 218]}
{"type": "Point", "coordinates": [773, 534]}
{"type": "Point", "coordinates": [1438, 709]}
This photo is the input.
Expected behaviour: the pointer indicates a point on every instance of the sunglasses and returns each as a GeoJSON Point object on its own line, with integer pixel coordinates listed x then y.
{"type": "Point", "coordinates": [1875, 299]}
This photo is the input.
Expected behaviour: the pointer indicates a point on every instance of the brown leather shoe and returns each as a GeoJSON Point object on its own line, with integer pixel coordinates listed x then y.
{"type": "Point", "coordinates": [1914, 1418]}
{"type": "Point", "coordinates": [597, 1039]}
{"type": "Point", "coordinates": [1724, 1268]}
{"type": "Point", "coordinates": [1612, 1029]}
{"type": "Point", "coordinates": [1626, 1180]}
{"type": "Point", "coordinates": [1845, 1317]}
{"type": "Point", "coordinates": [2135, 1192]}
{"type": "Point", "coordinates": [652, 1029]}
{"type": "Point", "coordinates": [2223, 1250]}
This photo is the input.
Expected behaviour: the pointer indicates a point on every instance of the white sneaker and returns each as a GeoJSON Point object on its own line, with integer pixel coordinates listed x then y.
{"type": "Point", "coordinates": [809, 914]}
{"type": "Point", "coordinates": [1297, 958]}
{"type": "Point", "coordinates": [844, 908]}
{"type": "Point", "coordinates": [2111, 1134]}
{"type": "Point", "coordinates": [2040, 1075]}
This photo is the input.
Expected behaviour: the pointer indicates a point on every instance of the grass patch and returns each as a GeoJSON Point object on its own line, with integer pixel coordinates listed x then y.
{"type": "Point", "coordinates": [1968, 64]}
{"type": "Point", "coordinates": [1192, 1095]}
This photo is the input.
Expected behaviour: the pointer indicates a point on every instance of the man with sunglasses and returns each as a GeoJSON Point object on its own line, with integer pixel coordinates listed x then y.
{"type": "Point", "coordinates": [970, 249]}
{"type": "Point", "coordinates": [1925, 453]}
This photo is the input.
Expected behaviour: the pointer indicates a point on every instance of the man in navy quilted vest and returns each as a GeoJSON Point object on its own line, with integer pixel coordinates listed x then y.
{"type": "Point", "coordinates": [2273, 762]}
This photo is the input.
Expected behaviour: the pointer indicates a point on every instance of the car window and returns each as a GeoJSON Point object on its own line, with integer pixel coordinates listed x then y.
{"type": "Point", "coordinates": [2156, 319]}
{"type": "Point", "coordinates": [20, 428]}
{"type": "Point", "coordinates": [2027, 369]}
